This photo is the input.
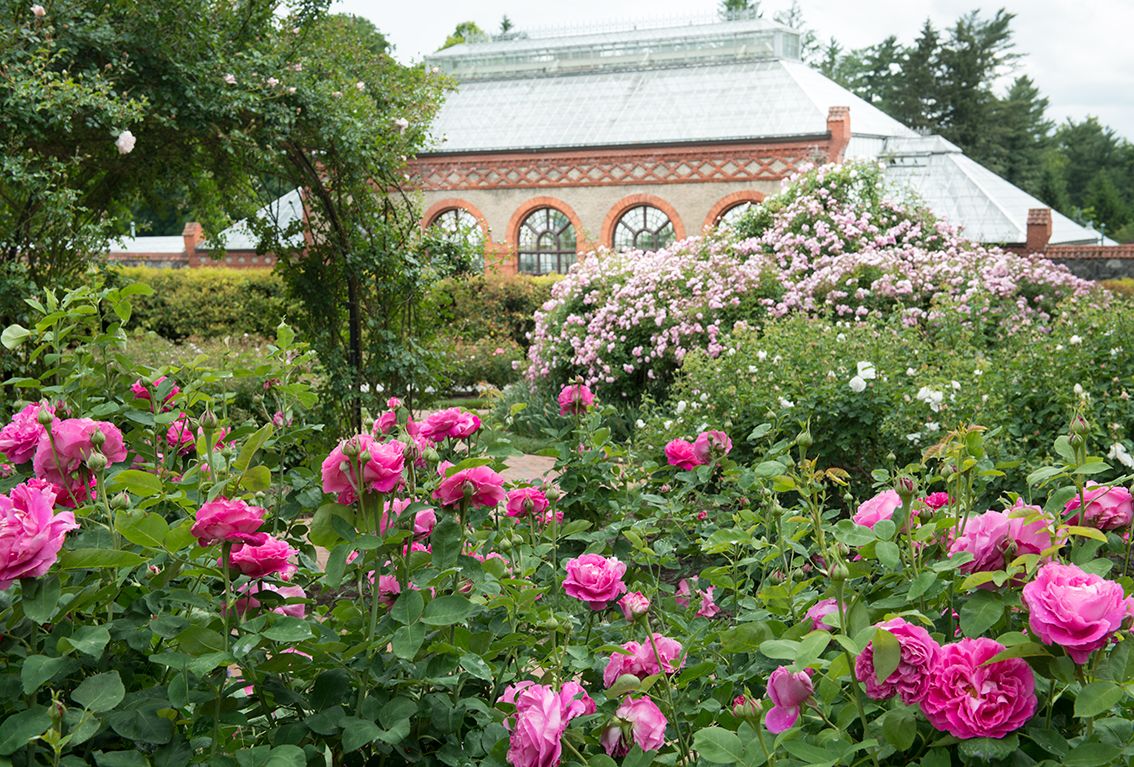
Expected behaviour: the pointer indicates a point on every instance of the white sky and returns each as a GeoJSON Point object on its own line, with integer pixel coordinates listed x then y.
{"type": "Point", "coordinates": [1079, 52]}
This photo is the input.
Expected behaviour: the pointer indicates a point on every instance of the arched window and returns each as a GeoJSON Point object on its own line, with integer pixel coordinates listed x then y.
{"type": "Point", "coordinates": [735, 213]}
{"type": "Point", "coordinates": [458, 226]}
{"type": "Point", "coordinates": [547, 242]}
{"type": "Point", "coordinates": [643, 227]}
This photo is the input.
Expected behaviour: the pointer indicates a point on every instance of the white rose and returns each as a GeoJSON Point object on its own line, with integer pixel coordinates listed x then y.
{"type": "Point", "coordinates": [125, 142]}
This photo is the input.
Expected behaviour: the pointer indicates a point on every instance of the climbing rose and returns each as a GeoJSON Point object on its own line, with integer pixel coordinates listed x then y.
{"type": "Point", "coordinates": [788, 692]}
{"type": "Point", "coordinates": [909, 679]}
{"type": "Point", "coordinates": [19, 438]}
{"type": "Point", "coordinates": [681, 595]}
{"type": "Point", "coordinates": [523, 501]}
{"type": "Point", "coordinates": [575, 399]}
{"type": "Point", "coordinates": [385, 423]}
{"type": "Point", "coordinates": [380, 474]}
{"type": "Point", "coordinates": [639, 659]}
{"type": "Point", "coordinates": [452, 423]}
{"type": "Point", "coordinates": [31, 535]}
{"type": "Point", "coordinates": [233, 521]}
{"type": "Point", "coordinates": [881, 506]}
{"type": "Point", "coordinates": [969, 699]}
{"type": "Point", "coordinates": [1108, 508]}
{"type": "Point", "coordinates": [646, 725]}
{"type": "Point", "coordinates": [485, 487]}
{"type": "Point", "coordinates": [1075, 609]}
{"type": "Point", "coordinates": [634, 605]}
{"type": "Point", "coordinates": [936, 500]}
{"type": "Point", "coordinates": [710, 444]}
{"type": "Point", "coordinates": [423, 521]}
{"type": "Point", "coordinates": [594, 579]}
{"type": "Point", "coordinates": [264, 559]}
{"type": "Point", "coordinates": [821, 610]}
{"type": "Point", "coordinates": [680, 453]}
{"type": "Point", "coordinates": [540, 720]}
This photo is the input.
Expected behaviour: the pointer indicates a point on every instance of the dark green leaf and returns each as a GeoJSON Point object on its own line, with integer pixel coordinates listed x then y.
{"type": "Point", "coordinates": [101, 692]}
{"type": "Point", "coordinates": [19, 728]}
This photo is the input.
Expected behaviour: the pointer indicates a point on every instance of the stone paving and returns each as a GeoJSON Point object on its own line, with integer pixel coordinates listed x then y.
{"type": "Point", "coordinates": [528, 468]}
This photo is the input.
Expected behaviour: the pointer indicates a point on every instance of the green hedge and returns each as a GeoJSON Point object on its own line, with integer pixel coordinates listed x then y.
{"type": "Point", "coordinates": [489, 306]}
{"type": "Point", "coordinates": [210, 302]}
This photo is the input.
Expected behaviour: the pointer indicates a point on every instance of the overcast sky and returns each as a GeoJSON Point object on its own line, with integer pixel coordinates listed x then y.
{"type": "Point", "coordinates": [1079, 52]}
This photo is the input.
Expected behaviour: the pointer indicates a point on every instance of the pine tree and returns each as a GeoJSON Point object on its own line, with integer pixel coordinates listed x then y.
{"type": "Point", "coordinates": [1019, 133]}
{"type": "Point", "coordinates": [916, 98]}
{"type": "Point", "coordinates": [792, 18]}
{"type": "Point", "coordinates": [740, 9]}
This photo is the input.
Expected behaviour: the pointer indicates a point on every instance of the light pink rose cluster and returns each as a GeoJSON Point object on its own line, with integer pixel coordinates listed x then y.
{"type": "Point", "coordinates": [911, 678]}
{"type": "Point", "coordinates": [149, 391]}
{"type": "Point", "coordinates": [637, 721]}
{"type": "Point", "coordinates": [381, 471]}
{"type": "Point", "coordinates": [995, 538]}
{"type": "Point", "coordinates": [640, 660]}
{"type": "Point", "coordinates": [788, 692]}
{"type": "Point", "coordinates": [483, 487]}
{"type": "Point", "coordinates": [20, 437]}
{"type": "Point", "coordinates": [452, 423]}
{"type": "Point", "coordinates": [1074, 609]}
{"type": "Point", "coordinates": [688, 455]}
{"type": "Point", "coordinates": [1108, 508]}
{"type": "Point", "coordinates": [31, 534]}
{"type": "Point", "coordinates": [970, 698]}
{"type": "Point", "coordinates": [62, 453]}
{"type": "Point", "coordinates": [595, 579]}
{"type": "Point", "coordinates": [541, 718]}
{"type": "Point", "coordinates": [874, 510]}
{"type": "Point", "coordinates": [575, 399]}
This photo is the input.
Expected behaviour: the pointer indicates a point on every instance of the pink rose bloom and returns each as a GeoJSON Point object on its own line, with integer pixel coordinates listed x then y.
{"type": "Point", "coordinates": [708, 607]}
{"type": "Point", "coordinates": [388, 590]}
{"type": "Point", "coordinates": [485, 488]}
{"type": "Point", "coordinates": [936, 500]}
{"type": "Point", "coordinates": [910, 678]}
{"type": "Point", "coordinates": [710, 444]}
{"type": "Point", "coordinates": [680, 453]}
{"type": "Point", "coordinates": [788, 692]}
{"type": "Point", "coordinates": [575, 701]}
{"type": "Point", "coordinates": [620, 663]}
{"type": "Point", "coordinates": [423, 521]}
{"type": "Point", "coordinates": [575, 399]}
{"type": "Point", "coordinates": [180, 435]}
{"type": "Point", "coordinates": [523, 501]}
{"type": "Point", "coordinates": [681, 596]}
{"type": "Point", "coordinates": [385, 423]}
{"type": "Point", "coordinates": [995, 538]}
{"type": "Point", "coordinates": [393, 403]}
{"type": "Point", "coordinates": [969, 699]}
{"type": "Point", "coordinates": [541, 718]}
{"type": "Point", "coordinates": [881, 506]}
{"type": "Point", "coordinates": [451, 423]}
{"type": "Point", "coordinates": [64, 462]}
{"type": "Point", "coordinates": [634, 605]}
{"type": "Point", "coordinates": [1108, 508]}
{"type": "Point", "coordinates": [595, 579]}
{"type": "Point", "coordinates": [821, 610]}
{"type": "Point", "coordinates": [19, 438]}
{"type": "Point", "coordinates": [142, 391]}
{"type": "Point", "coordinates": [1075, 609]}
{"type": "Point", "coordinates": [31, 535]}
{"type": "Point", "coordinates": [380, 474]}
{"type": "Point", "coordinates": [642, 721]}
{"type": "Point", "coordinates": [249, 602]}
{"type": "Point", "coordinates": [262, 560]}
{"type": "Point", "coordinates": [669, 657]}
{"type": "Point", "coordinates": [233, 521]}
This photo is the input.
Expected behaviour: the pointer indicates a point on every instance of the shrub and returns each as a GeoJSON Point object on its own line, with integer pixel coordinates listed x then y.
{"type": "Point", "coordinates": [467, 364]}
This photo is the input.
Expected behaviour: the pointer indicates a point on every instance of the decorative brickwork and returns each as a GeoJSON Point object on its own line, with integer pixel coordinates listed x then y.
{"type": "Point", "coordinates": [449, 203]}
{"type": "Point", "coordinates": [729, 201]}
{"type": "Point", "coordinates": [626, 203]}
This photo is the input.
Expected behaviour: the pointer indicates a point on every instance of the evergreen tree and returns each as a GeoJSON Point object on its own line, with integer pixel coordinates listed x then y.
{"type": "Point", "coordinates": [465, 31]}
{"type": "Point", "coordinates": [792, 18]}
{"type": "Point", "coordinates": [1019, 132]}
{"type": "Point", "coordinates": [505, 25]}
{"type": "Point", "coordinates": [740, 9]}
{"type": "Point", "coordinates": [916, 100]}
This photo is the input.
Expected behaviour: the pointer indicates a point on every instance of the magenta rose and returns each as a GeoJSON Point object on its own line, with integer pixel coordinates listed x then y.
{"type": "Point", "coordinates": [541, 718]}
{"type": "Point", "coordinates": [680, 453]}
{"type": "Point", "coordinates": [788, 692]}
{"type": "Point", "coordinates": [936, 500]}
{"type": "Point", "coordinates": [148, 392]}
{"type": "Point", "coordinates": [525, 501]}
{"type": "Point", "coordinates": [595, 579]}
{"type": "Point", "coordinates": [381, 472]}
{"type": "Point", "coordinates": [385, 423]}
{"type": "Point", "coordinates": [910, 678]}
{"type": "Point", "coordinates": [881, 506]}
{"type": "Point", "coordinates": [634, 605]}
{"type": "Point", "coordinates": [19, 438]}
{"type": "Point", "coordinates": [248, 601]}
{"type": "Point", "coordinates": [627, 662]}
{"type": "Point", "coordinates": [423, 521]}
{"type": "Point", "coordinates": [388, 590]}
{"type": "Point", "coordinates": [61, 455]}
{"type": "Point", "coordinates": [1074, 609]}
{"type": "Point", "coordinates": [484, 488]}
{"type": "Point", "coordinates": [820, 610]}
{"type": "Point", "coordinates": [575, 399]}
{"type": "Point", "coordinates": [180, 435]}
{"type": "Point", "coordinates": [1108, 508]}
{"type": "Point", "coordinates": [969, 699]}
{"type": "Point", "coordinates": [711, 444]}
{"type": "Point", "coordinates": [668, 658]}
{"type": "Point", "coordinates": [262, 560]}
{"type": "Point", "coordinates": [234, 521]}
{"type": "Point", "coordinates": [640, 721]}
{"type": "Point", "coordinates": [452, 423]}
{"type": "Point", "coordinates": [708, 608]}
{"type": "Point", "coordinates": [31, 534]}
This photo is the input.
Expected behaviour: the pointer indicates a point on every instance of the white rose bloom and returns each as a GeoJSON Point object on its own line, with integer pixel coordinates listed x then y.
{"type": "Point", "coordinates": [866, 370]}
{"type": "Point", "coordinates": [1119, 453]}
{"type": "Point", "coordinates": [1075, 340]}
{"type": "Point", "coordinates": [786, 404]}
{"type": "Point", "coordinates": [125, 142]}
{"type": "Point", "coordinates": [857, 384]}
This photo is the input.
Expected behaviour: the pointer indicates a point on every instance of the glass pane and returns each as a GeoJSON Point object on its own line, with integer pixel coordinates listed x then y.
{"type": "Point", "coordinates": [643, 227]}
{"type": "Point", "coordinates": [547, 242]}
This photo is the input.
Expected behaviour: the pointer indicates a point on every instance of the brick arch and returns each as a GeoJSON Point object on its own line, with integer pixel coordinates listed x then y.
{"type": "Point", "coordinates": [449, 203]}
{"type": "Point", "coordinates": [633, 200]}
{"type": "Point", "coordinates": [730, 201]}
{"type": "Point", "coordinates": [534, 204]}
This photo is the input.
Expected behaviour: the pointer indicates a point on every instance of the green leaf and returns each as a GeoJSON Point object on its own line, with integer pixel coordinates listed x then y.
{"type": "Point", "coordinates": [287, 629]}
{"type": "Point", "coordinates": [887, 654]}
{"type": "Point", "coordinates": [448, 610]}
{"type": "Point", "coordinates": [135, 481]}
{"type": "Point", "coordinates": [251, 446]}
{"type": "Point", "coordinates": [91, 559]}
{"type": "Point", "coordinates": [323, 532]}
{"type": "Point", "coordinates": [19, 728]}
{"type": "Point", "coordinates": [408, 607]}
{"type": "Point", "coordinates": [446, 541]}
{"type": "Point", "coordinates": [780, 649]}
{"type": "Point", "coordinates": [37, 669]}
{"type": "Point", "coordinates": [1096, 698]}
{"type": "Point", "coordinates": [286, 756]}
{"type": "Point", "coordinates": [899, 728]}
{"type": "Point", "coordinates": [921, 584]}
{"type": "Point", "coordinates": [89, 640]}
{"type": "Point", "coordinates": [148, 531]}
{"type": "Point", "coordinates": [888, 554]}
{"type": "Point", "coordinates": [989, 749]}
{"type": "Point", "coordinates": [357, 733]}
{"type": "Point", "coordinates": [1092, 754]}
{"type": "Point", "coordinates": [132, 758]}
{"type": "Point", "coordinates": [407, 640]}
{"type": "Point", "coordinates": [1021, 650]}
{"type": "Point", "coordinates": [101, 692]}
{"type": "Point", "coordinates": [719, 745]}
{"type": "Point", "coordinates": [745, 637]}
{"type": "Point", "coordinates": [812, 755]}
{"type": "Point", "coordinates": [13, 336]}
{"type": "Point", "coordinates": [40, 597]}
{"type": "Point", "coordinates": [980, 613]}
{"type": "Point", "coordinates": [256, 479]}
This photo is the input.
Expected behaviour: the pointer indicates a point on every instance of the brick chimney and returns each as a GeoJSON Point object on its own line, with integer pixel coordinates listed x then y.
{"type": "Point", "coordinates": [1039, 230]}
{"type": "Point", "coordinates": [838, 126]}
{"type": "Point", "coordinates": [192, 235]}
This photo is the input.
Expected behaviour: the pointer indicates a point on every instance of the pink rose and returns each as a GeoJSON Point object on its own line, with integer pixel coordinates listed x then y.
{"type": "Point", "coordinates": [381, 473]}
{"type": "Point", "coordinates": [575, 399]}
{"type": "Point", "coordinates": [393, 403]}
{"type": "Point", "coordinates": [668, 658]}
{"type": "Point", "coordinates": [147, 392]}
{"type": "Point", "coordinates": [628, 662]}
{"type": "Point", "coordinates": [708, 608]}
{"type": "Point", "coordinates": [995, 538]}
{"type": "Point", "coordinates": [969, 699]}
{"type": "Point", "coordinates": [385, 423]}
{"type": "Point", "coordinates": [1108, 508]}
{"type": "Point", "coordinates": [31, 535]}
{"type": "Point", "coordinates": [388, 590]}
{"type": "Point", "coordinates": [264, 559]}
{"type": "Point", "coordinates": [483, 487]}
{"type": "Point", "coordinates": [180, 435]}
{"type": "Point", "coordinates": [788, 692]}
{"type": "Point", "coordinates": [451, 423]}
{"type": "Point", "coordinates": [523, 501]}
{"type": "Point", "coordinates": [680, 453]}
{"type": "Point", "coordinates": [634, 605]}
{"type": "Point", "coordinates": [423, 521]}
{"type": "Point", "coordinates": [19, 438]}
{"type": "Point", "coordinates": [249, 602]}
{"type": "Point", "coordinates": [881, 506]}
{"type": "Point", "coordinates": [641, 720]}
{"type": "Point", "coordinates": [1075, 609]}
{"type": "Point", "coordinates": [681, 596]}
{"type": "Point", "coordinates": [541, 718]}
{"type": "Point", "coordinates": [62, 452]}
{"type": "Point", "coordinates": [936, 500]}
{"type": "Point", "coordinates": [233, 521]}
{"type": "Point", "coordinates": [711, 444]}
{"type": "Point", "coordinates": [909, 679]}
{"type": "Point", "coordinates": [594, 579]}
{"type": "Point", "coordinates": [821, 610]}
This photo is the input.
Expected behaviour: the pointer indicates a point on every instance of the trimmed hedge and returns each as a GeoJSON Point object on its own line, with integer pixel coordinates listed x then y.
{"type": "Point", "coordinates": [489, 306]}
{"type": "Point", "coordinates": [211, 302]}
